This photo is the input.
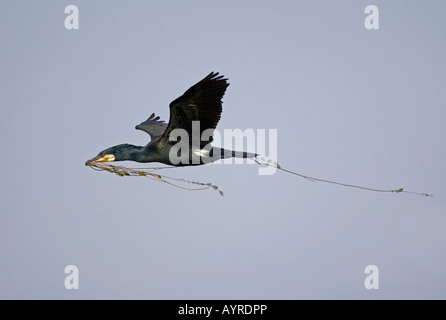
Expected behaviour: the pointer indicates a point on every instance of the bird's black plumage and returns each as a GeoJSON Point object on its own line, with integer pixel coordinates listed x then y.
{"type": "Point", "coordinates": [153, 126]}
{"type": "Point", "coordinates": [201, 102]}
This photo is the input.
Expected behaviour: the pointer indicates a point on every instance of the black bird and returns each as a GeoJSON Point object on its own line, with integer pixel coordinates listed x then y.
{"type": "Point", "coordinates": [197, 113]}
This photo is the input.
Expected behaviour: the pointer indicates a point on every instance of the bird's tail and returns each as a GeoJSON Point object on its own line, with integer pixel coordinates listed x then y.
{"type": "Point", "coordinates": [237, 154]}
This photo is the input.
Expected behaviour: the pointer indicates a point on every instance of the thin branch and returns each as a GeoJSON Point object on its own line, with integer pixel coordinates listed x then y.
{"type": "Point", "coordinates": [277, 166]}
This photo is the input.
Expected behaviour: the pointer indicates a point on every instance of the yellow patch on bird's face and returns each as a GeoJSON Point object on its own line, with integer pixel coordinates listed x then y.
{"type": "Point", "coordinates": [107, 158]}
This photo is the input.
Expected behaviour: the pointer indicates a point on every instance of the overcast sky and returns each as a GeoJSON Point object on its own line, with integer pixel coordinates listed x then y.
{"type": "Point", "coordinates": [349, 104]}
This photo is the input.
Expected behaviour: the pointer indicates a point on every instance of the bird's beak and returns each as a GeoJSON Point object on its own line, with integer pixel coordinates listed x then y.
{"type": "Point", "coordinates": [106, 158]}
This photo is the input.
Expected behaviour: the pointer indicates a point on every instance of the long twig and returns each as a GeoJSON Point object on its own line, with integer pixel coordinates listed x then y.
{"type": "Point", "coordinates": [277, 166]}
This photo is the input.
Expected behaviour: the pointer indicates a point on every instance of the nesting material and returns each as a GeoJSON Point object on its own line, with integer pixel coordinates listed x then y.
{"type": "Point", "coordinates": [150, 173]}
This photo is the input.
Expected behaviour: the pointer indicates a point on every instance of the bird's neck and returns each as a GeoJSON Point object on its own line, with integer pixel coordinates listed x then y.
{"type": "Point", "coordinates": [134, 153]}
{"type": "Point", "coordinates": [142, 154]}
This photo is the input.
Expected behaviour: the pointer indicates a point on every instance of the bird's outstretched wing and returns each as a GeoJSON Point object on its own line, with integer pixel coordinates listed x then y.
{"type": "Point", "coordinates": [201, 102]}
{"type": "Point", "coordinates": [153, 126]}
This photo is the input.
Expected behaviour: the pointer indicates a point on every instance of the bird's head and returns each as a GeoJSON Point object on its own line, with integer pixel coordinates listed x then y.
{"type": "Point", "coordinates": [117, 153]}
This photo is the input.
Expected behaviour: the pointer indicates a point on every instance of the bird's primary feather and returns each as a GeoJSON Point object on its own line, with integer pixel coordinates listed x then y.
{"type": "Point", "coordinates": [201, 102]}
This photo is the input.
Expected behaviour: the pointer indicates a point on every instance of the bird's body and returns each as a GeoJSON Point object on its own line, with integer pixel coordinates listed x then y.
{"type": "Point", "coordinates": [186, 139]}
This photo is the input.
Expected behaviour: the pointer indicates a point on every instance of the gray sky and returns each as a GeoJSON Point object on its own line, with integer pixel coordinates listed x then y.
{"type": "Point", "coordinates": [350, 104]}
